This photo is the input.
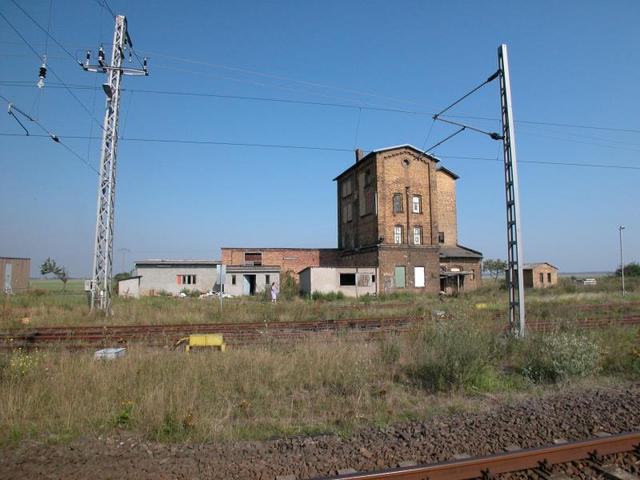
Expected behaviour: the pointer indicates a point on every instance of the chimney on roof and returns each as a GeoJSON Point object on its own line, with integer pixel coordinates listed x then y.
{"type": "Point", "coordinates": [359, 154]}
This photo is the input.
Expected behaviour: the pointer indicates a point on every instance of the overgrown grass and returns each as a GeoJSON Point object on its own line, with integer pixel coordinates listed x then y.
{"type": "Point", "coordinates": [311, 387]}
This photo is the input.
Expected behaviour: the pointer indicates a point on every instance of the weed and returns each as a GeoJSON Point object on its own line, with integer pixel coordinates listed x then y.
{"type": "Point", "coordinates": [560, 356]}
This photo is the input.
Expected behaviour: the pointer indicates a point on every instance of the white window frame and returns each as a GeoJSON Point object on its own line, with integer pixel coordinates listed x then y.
{"type": "Point", "coordinates": [417, 235]}
{"type": "Point", "coordinates": [416, 204]}
{"type": "Point", "coordinates": [397, 234]}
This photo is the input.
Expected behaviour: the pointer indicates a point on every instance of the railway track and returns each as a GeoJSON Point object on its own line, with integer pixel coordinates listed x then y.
{"type": "Point", "coordinates": [533, 462]}
{"type": "Point", "coordinates": [258, 332]}
{"type": "Point", "coordinates": [167, 335]}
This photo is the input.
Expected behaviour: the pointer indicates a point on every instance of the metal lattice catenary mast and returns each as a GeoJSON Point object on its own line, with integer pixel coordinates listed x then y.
{"type": "Point", "coordinates": [103, 255]}
{"type": "Point", "coordinates": [514, 275]}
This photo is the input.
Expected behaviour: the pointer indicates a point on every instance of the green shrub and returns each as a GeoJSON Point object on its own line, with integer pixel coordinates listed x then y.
{"type": "Point", "coordinates": [559, 356]}
{"type": "Point", "coordinates": [453, 354]}
{"type": "Point", "coordinates": [288, 287]}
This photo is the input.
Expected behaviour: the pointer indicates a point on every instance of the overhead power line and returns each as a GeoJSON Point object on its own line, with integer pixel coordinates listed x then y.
{"type": "Point", "coordinates": [35, 52]}
{"type": "Point", "coordinates": [48, 133]}
{"type": "Point", "coordinates": [24, 84]}
{"type": "Point", "coordinates": [44, 30]}
{"type": "Point", "coordinates": [317, 148]}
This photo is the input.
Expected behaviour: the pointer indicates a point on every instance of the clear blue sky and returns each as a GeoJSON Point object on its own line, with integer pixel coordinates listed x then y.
{"type": "Point", "coordinates": [572, 62]}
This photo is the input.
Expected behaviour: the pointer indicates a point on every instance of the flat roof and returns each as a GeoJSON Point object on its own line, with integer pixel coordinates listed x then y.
{"type": "Point", "coordinates": [14, 258]}
{"type": "Point", "coordinates": [164, 262]}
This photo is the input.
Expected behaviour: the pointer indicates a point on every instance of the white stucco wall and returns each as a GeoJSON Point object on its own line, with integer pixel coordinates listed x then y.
{"type": "Point", "coordinates": [129, 287]}
{"type": "Point", "coordinates": [327, 279]}
{"type": "Point", "coordinates": [156, 279]}
{"type": "Point", "coordinates": [239, 288]}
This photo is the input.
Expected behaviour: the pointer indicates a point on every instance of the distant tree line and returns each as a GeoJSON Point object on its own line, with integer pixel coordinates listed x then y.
{"type": "Point", "coordinates": [630, 270]}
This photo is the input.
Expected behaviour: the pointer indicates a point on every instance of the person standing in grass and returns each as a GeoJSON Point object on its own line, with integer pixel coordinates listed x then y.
{"type": "Point", "coordinates": [274, 292]}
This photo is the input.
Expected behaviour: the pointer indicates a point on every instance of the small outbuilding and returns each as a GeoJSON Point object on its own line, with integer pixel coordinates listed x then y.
{"type": "Point", "coordinates": [15, 274]}
{"type": "Point", "coordinates": [539, 275]}
{"type": "Point", "coordinates": [129, 287]}
{"type": "Point", "coordinates": [174, 276]}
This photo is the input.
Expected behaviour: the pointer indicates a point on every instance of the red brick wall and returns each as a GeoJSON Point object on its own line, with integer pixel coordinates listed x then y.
{"type": "Point", "coordinates": [292, 260]}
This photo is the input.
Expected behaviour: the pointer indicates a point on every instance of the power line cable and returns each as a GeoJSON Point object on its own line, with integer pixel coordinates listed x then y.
{"type": "Point", "coordinates": [321, 148]}
{"type": "Point", "coordinates": [48, 35]}
{"type": "Point", "coordinates": [105, 5]}
{"type": "Point", "coordinates": [278, 77]}
{"type": "Point", "coordinates": [25, 84]}
{"type": "Point", "coordinates": [52, 71]}
{"type": "Point", "coordinates": [49, 134]}
{"type": "Point", "coordinates": [490, 79]}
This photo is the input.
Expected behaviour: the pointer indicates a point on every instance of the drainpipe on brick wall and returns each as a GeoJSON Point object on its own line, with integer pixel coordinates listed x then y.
{"type": "Point", "coordinates": [406, 190]}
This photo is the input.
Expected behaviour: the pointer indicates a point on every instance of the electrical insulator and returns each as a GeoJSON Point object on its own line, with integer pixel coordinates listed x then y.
{"type": "Point", "coordinates": [101, 55]}
{"type": "Point", "coordinates": [88, 58]}
{"type": "Point", "coordinates": [144, 64]}
{"type": "Point", "coordinates": [42, 74]}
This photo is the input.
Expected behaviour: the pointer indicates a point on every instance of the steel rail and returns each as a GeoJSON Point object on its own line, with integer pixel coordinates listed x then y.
{"type": "Point", "coordinates": [485, 466]}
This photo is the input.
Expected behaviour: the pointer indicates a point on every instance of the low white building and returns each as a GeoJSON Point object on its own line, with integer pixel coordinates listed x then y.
{"type": "Point", "coordinates": [250, 280]}
{"type": "Point", "coordinates": [351, 281]}
{"type": "Point", "coordinates": [174, 276]}
{"type": "Point", "coordinates": [129, 287]}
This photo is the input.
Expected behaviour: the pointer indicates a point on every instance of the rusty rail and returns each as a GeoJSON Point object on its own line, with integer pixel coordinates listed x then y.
{"type": "Point", "coordinates": [485, 466]}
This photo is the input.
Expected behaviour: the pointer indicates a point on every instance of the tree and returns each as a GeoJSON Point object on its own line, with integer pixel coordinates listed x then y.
{"type": "Point", "coordinates": [50, 266]}
{"type": "Point", "coordinates": [495, 267]}
{"type": "Point", "coordinates": [630, 270]}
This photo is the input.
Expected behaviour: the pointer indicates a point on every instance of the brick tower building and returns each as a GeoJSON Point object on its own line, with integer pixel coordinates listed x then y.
{"type": "Point", "coordinates": [397, 211]}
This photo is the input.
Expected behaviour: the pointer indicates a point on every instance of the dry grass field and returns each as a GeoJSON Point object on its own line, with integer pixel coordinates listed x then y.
{"type": "Point", "coordinates": [443, 365]}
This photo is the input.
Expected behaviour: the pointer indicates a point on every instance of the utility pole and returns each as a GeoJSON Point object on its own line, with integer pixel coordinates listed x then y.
{"type": "Point", "coordinates": [620, 229]}
{"type": "Point", "coordinates": [515, 284]}
{"type": "Point", "coordinates": [103, 254]}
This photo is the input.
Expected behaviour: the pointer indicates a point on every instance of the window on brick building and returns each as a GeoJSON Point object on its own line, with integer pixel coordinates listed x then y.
{"type": "Point", "coordinates": [347, 212]}
{"type": "Point", "coordinates": [347, 279]}
{"type": "Point", "coordinates": [397, 203]}
{"type": "Point", "coordinates": [417, 235]}
{"type": "Point", "coordinates": [267, 279]}
{"type": "Point", "coordinates": [440, 237]}
{"type": "Point", "coordinates": [397, 234]}
{"type": "Point", "coordinates": [253, 258]}
{"type": "Point", "coordinates": [418, 277]}
{"type": "Point", "coordinates": [416, 204]}
{"type": "Point", "coordinates": [186, 279]}
{"type": "Point", "coordinates": [347, 187]}
{"type": "Point", "coordinates": [541, 277]}
{"type": "Point", "coordinates": [233, 279]}
{"type": "Point", "coordinates": [368, 178]}
{"type": "Point", "coordinates": [549, 277]}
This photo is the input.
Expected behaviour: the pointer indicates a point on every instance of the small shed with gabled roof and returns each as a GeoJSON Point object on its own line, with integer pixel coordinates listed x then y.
{"type": "Point", "coordinates": [540, 275]}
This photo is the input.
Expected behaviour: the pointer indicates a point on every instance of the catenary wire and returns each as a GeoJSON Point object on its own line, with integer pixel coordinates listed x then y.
{"type": "Point", "coordinates": [25, 84]}
{"type": "Point", "coordinates": [49, 134]}
{"type": "Point", "coordinates": [322, 148]}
